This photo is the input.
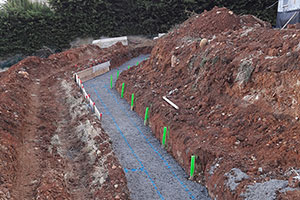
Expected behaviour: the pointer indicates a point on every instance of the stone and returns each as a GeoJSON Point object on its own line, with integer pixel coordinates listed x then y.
{"type": "Point", "coordinates": [102, 180]}
{"type": "Point", "coordinates": [203, 42]}
{"type": "Point", "coordinates": [25, 74]}
{"type": "Point", "coordinates": [173, 61]}
{"type": "Point", "coordinates": [235, 176]}
{"type": "Point", "coordinates": [244, 72]}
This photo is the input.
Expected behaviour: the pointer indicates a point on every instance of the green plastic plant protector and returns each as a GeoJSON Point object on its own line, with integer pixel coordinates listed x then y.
{"type": "Point", "coordinates": [193, 158]}
{"type": "Point", "coordinates": [132, 101]}
{"type": "Point", "coordinates": [118, 73]}
{"type": "Point", "coordinates": [146, 116]}
{"type": "Point", "coordinates": [164, 137]}
{"type": "Point", "coordinates": [111, 81]}
{"type": "Point", "coordinates": [122, 92]}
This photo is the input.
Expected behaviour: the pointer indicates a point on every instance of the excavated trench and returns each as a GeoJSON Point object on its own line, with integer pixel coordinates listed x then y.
{"type": "Point", "coordinates": [150, 171]}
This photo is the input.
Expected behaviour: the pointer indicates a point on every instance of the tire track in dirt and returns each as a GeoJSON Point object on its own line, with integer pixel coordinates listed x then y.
{"type": "Point", "coordinates": [51, 147]}
{"type": "Point", "coordinates": [29, 152]}
{"type": "Point", "coordinates": [64, 153]}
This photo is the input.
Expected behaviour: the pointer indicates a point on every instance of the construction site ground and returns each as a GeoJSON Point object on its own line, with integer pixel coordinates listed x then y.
{"type": "Point", "coordinates": [51, 146]}
{"type": "Point", "coordinates": [235, 80]}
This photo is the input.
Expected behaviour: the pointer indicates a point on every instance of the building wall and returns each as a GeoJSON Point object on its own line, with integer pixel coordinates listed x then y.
{"type": "Point", "coordinates": [288, 5]}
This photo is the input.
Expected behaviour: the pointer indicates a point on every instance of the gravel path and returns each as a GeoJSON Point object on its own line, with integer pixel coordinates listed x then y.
{"type": "Point", "coordinates": [150, 171]}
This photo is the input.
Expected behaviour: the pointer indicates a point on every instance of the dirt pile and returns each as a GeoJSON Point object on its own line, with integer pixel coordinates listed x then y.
{"type": "Point", "coordinates": [208, 24]}
{"type": "Point", "coordinates": [50, 145]}
{"type": "Point", "coordinates": [238, 96]}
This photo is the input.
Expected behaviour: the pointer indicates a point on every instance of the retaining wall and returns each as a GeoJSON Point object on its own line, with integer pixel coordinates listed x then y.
{"type": "Point", "coordinates": [107, 42]}
{"type": "Point", "coordinates": [92, 72]}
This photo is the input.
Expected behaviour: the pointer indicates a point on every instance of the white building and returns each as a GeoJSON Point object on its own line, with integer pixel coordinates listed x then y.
{"type": "Point", "coordinates": [288, 5]}
{"type": "Point", "coordinates": [288, 12]}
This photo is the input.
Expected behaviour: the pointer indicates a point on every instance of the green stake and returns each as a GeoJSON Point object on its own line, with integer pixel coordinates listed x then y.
{"type": "Point", "coordinates": [192, 167]}
{"type": "Point", "coordinates": [118, 74]}
{"type": "Point", "coordinates": [146, 116]}
{"type": "Point", "coordinates": [164, 137]}
{"type": "Point", "coordinates": [122, 92]}
{"type": "Point", "coordinates": [132, 101]}
{"type": "Point", "coordinates": [111, 81]}
{"type": "Point", "coordinates": [137, 63]}
{"type": "Point", "coordinates": [128, 66]}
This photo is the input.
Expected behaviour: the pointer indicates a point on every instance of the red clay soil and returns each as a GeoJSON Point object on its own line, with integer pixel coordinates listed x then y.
{"type": "Point", "coordinates": [51, 147]}
{"type": "Point", "coordinates": [238, 99]}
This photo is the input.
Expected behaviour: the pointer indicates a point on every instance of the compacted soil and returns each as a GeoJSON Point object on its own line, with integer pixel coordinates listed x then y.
{"type": "Point", "coordinates": [236, 82]}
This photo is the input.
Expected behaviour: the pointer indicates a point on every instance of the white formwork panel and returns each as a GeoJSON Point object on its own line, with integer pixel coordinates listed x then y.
{"type": "Point", "coordinates": [107, 42]}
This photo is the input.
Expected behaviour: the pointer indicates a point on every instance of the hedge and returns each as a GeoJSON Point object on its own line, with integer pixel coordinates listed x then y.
{"type": "Point", "coordinates": [26, 31]}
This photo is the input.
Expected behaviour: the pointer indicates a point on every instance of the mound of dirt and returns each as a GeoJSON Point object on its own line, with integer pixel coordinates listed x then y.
{"type": "Point", "coordinates": [50, 145]}
{"type": "Point", "coordinates": [216, 21]}
{"type": "Point", "coordinates": [238, 97]}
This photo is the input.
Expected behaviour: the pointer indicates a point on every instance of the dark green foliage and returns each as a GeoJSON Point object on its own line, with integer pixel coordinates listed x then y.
{"type": "Point", "coordinates": [26, 27]}
{"type": "Point", "coordinates": [26, 32]}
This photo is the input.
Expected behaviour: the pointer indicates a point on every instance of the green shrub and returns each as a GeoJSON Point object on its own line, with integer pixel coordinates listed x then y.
{"type": "Point", "coordinates": [26, 27]}
{"type": "Point", "coordinates": [11, 6]}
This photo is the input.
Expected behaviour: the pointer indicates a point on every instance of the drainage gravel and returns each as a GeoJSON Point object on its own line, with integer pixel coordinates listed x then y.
{"type": "Point", "coordinates": [150, 171]}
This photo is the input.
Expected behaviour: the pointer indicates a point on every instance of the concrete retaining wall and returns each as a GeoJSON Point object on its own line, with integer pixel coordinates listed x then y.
{"type": "Point", "coordinates": [92, 72]}
{"type": "Point", "coordinates": [105, 43]}
{"type": "Point", "coordinates": [159, 36]}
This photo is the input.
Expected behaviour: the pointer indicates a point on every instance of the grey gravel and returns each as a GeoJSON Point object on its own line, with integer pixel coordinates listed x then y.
{"type": "Point", "coordinates": [235, 176]}
{"type": "Point", "coordinates": [215, 166]}
{"type": "Point", "coordinates": [150, 171]}
{"type": "Point", "coordinates": [244, 72]}
{"type": "Point", "coordinates": [264, 191]}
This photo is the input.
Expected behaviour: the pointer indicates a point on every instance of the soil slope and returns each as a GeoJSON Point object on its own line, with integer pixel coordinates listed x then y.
{"type": "Point", "coordinates": [51, 147]}
{"type": "Point", "coordinates": [236, 82]}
